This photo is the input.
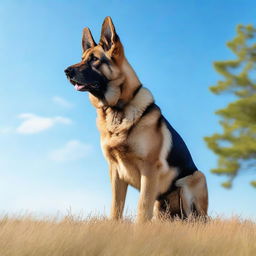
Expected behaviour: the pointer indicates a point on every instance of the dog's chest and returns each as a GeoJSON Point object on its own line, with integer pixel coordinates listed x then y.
{"type": "Point", "coordinates": [115, 131]}
{"type": "Point", "coordinates": [120, 153]}
{"type": "Point", "coordinates": [134, 148]}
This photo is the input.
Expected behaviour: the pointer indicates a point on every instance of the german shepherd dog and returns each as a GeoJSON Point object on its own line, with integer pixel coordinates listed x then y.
{"type": "Point", "coordinates": [142, 149]}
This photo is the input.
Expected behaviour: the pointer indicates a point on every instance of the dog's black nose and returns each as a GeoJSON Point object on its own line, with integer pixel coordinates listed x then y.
{"type": "Point", "coordinates": [69, 72]}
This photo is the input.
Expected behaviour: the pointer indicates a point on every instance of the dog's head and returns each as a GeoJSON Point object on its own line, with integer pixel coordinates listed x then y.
{"type": "Point", "coordinates": [100, 71]}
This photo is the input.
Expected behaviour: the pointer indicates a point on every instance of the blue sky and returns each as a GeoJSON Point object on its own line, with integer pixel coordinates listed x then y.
{"type": "Point", "coordinates": [49, 145]}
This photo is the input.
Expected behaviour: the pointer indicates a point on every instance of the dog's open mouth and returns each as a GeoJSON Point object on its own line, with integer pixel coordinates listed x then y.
{"type": "Point", "coordinates": [78, 86]}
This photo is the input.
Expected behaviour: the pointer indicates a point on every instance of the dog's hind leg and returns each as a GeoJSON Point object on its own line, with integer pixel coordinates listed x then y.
{"type": "Point", "coordinates": [200, 193]}
{"type": "Point", "coordinates": [194, 194]}
{"type": "Point", "coordinates": [169, 206]}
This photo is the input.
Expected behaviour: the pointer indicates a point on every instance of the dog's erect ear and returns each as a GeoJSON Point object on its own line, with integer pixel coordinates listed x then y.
{"type": "Point", "coordinates": [87, 39]}
{"type": "Point", "coordinates": [109, 38]}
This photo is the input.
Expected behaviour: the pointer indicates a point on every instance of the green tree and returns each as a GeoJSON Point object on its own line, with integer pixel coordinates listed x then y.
{"type": "Point", "coordinates": [236, 145]}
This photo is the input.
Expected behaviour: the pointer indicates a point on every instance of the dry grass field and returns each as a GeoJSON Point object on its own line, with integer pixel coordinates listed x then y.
{"type": "Point", "coordinates": [25, 236]}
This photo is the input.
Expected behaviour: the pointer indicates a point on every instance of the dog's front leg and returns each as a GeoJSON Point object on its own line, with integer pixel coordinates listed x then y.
{"type": "Point", "coordinates": [148, 193]}
{"type": "Point", "coordinates": [119, 189]}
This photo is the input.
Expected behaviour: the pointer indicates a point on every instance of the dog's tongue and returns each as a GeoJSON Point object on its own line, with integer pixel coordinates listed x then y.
{"type": "Point", "coordinates": [78, 87]}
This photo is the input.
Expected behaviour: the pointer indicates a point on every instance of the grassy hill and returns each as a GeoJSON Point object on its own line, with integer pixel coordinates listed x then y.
{"type": "Point", "coordinates": [97, 236]}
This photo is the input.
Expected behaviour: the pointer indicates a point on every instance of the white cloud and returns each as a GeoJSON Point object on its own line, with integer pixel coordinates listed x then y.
{"type": "Point", "coordinates": [62, 102]}
{"type": "Point", "coordinates": [34, 124]}
{"type": "Point", "coordinates": [72, 150]}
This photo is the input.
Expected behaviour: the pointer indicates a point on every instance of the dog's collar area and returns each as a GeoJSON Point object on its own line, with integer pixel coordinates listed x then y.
{"type": "Point", "coordinates": [137, 90]}
{"type": "Point", "coordinates": [121, 104]}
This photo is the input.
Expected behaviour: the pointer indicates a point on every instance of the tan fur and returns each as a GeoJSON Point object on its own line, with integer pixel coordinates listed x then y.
{"type": "Point", "coordinates": [137, 159]}
{"type": "Point", "coordinates": [194, 191]}
{"type": "Point", "coordinates": [170, 207]}
{"type": "Point", "coordinates": [191, 191]}
{"type": "Point", "coordinates": [135, 146]}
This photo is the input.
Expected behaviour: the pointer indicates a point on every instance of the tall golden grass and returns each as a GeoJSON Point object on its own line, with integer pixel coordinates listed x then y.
{"type": "Point", "coordinates": [27, 236]}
